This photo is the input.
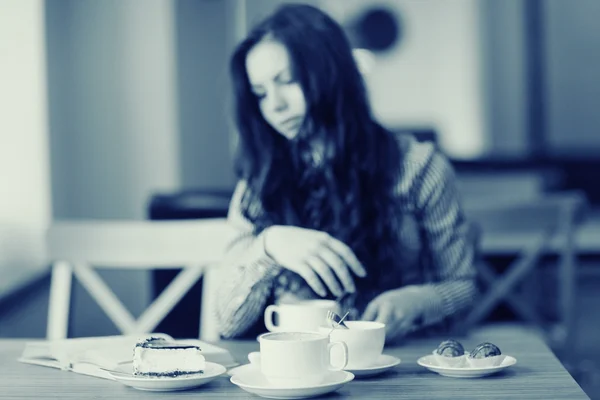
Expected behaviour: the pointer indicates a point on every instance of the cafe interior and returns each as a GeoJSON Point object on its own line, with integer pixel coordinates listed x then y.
{"type": "Point", "coordinates": [117, 149]}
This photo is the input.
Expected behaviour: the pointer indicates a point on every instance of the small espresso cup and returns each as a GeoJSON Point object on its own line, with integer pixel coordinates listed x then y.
{"type": "Point", "coordinates": [297, 359]}
{"type": "Point", "coordinates": [305, 315]}
{"type": "Point", "coordinates": [365, 341]}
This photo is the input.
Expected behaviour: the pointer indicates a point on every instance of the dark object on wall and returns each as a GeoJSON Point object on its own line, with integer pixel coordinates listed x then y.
{"type": "Point", "coordinates": [377, 29]}
{"type": "Point", "coordinates": [184, 320]}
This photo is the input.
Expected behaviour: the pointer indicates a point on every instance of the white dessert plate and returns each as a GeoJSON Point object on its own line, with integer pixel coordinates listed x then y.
{"type": "Point", "coordinates": [464, 372]}
{"type": "Point", "coordinates": [251, 380]}
{"type": "Point", "coordinates": [383, 363]}
{"type": "Point", "coordinates": [124, 374]}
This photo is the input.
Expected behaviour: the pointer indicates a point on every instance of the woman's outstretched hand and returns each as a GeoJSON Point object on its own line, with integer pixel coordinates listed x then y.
{"type": "Point", "coordinates": [316, 256]}
{"type": "Point", "coordinates": [398, 309]}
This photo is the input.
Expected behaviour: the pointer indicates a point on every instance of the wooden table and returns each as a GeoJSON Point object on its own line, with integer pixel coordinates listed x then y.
{"type": "Point", "coordinates": [537, 375]}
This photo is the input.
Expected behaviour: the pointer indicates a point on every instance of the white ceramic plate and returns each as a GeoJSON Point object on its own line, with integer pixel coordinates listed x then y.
{"type": "Point", "coordinates": [253, 381]}
{"type": "Point", "coordinates": [124, 375]}
{"type": "Point", "coordinates": [384, 363]}
{"type": "Point", "coordinates": [464, 372]}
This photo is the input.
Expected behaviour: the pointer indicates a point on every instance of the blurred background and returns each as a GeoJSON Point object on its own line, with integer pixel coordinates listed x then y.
{"type": "Point", "coordinates": [120, 109]}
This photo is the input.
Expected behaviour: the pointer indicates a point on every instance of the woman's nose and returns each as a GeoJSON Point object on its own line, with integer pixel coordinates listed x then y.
{"type": "Point", "coordinates": [277, 101]}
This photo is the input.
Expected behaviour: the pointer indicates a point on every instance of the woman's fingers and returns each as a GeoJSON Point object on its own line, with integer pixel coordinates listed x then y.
{"type": "Point", "coordinates": [370, 312]}
{"type": "Point", "coordinates": [380, 311]}
{"type": "Point", "coordinates": [342, 250]}
{"type": "Point", "coordinates": [396, 326]}
{"type": "Point", "coordinates": [325, 273]}
{"type": "Point", "coordinates": [311, 278]}
{"type": "Point", "coordinates": [339, 267]}
{"type": "Point", "coordinates": [330, 262]}
{"type": "Point", "coordinates": [385, 313]}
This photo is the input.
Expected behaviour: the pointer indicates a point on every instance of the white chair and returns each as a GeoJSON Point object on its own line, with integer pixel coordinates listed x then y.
{"type": "Point", "coordinates": [529, 230]}
{"type": "Point", "coordinates": [76, 248]}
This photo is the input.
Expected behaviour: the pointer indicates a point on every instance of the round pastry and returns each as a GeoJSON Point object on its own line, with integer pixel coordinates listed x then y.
{"type": "Point", "coordinates": [485, 350]}
{"type": "Point", "coordinates": [484, 355]}
{"type": "Point", "coordinates": [450, 353]}
{"type": "Point", "coordinates": [450, 348]}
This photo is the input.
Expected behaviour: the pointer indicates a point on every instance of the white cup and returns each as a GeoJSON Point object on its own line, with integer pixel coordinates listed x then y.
{"type": "Point", "coordinates": [297, 359]}
{"type": "Point", "coordinates": [306, 315]}
{"type": "Point", "coordinates": [365, 341]}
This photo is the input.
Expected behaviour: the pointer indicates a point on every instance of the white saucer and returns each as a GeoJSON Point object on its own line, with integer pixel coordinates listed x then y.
{"type": "Point", "coordinates": [464, 372]}
{"type": "Point", "coordinates": [251, 380]}
{"type": "Point", "coordinates": [124, 374]}
{"type": "Point", "coordinates": [383, 363]}
{"type": "Point", "coordinates": [240, 369]}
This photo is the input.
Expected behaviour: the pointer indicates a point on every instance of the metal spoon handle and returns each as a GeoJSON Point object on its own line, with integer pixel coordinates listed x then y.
{"type": "Point", "coordinates": [339, 322]}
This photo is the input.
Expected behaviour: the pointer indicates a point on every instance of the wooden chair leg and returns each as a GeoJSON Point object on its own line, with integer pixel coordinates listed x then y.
{"type": "Point", "coordinates": [60, 300]}
{"type": "Point", "coordinates": [564, 333]}
{"type": "Point", "coordinates": [516, 301]}
{"type": "Point", "coordinates": [169, 297]}
{"type": "Point", "coordinates": [105, 298]}
{"type": "Point", "coordinates": [503, 286]}
{"type": "Point", "coordinates": [209, 329]}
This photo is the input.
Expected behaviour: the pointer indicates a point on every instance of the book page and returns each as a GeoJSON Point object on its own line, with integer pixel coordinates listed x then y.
{"type": "Point", "coordinates": [103, 351]}
{"type": "Point", "coordinates": [90, 356]}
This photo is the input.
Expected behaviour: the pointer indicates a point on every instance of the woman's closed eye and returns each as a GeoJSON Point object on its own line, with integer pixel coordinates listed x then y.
{"type": "Point", "coordinates": [285, 79]}
{"type": "Point", "coordinates": [260, 95]}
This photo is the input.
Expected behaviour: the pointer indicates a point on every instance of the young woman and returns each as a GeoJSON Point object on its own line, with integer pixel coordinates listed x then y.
{"type": "Point", "coordinates": [328, 201]}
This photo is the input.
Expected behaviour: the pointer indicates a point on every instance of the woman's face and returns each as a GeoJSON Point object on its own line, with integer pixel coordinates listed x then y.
{"type": "Point", "coordinates": [279, 94]}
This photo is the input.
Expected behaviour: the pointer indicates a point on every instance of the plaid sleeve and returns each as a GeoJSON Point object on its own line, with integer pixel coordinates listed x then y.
{"type": "Point", "coordinates": [247, 275]}
{"type": "Point", "coordinates": [448, 242]}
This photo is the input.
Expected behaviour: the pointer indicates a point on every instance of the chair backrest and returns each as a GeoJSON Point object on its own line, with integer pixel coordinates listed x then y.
{"type": "Point", "coordinates": [550, 212]}
{"type": "Point", "coordinates": [507, 186]}
{"type": "Point", "coordinates": [77, 247]}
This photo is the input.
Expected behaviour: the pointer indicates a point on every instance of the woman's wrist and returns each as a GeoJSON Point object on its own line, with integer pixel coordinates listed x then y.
{"type": "Point", "coordinates": [417, 299]}
{"type": "Point", "coordinates": [263, 238]}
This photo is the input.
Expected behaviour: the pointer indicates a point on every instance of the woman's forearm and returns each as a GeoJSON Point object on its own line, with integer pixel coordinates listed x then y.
{"type": "Point", "coordinates": [248, 275]}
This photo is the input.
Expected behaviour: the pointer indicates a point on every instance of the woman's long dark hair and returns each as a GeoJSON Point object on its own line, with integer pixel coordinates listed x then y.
{"type": "Point", "coordinates": [350, 193]}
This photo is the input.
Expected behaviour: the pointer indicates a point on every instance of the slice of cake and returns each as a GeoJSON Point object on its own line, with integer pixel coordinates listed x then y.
{"type": "Point", "coordinates": [159, 357]}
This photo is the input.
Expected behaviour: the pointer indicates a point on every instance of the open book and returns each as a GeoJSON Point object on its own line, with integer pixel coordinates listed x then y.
{"type": "Point", "coordinates": [94, 355]}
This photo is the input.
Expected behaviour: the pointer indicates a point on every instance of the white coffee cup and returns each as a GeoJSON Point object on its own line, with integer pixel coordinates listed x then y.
{"type": "Point", "coordinates": [297, 359]}
{"type": "Point", "coordinates": [365, 341]}
{"type": "Point", "coordinates": [305, 315]}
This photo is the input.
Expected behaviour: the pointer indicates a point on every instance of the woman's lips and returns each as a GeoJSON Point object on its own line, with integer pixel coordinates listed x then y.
{"type": "Point", "coordinates": [291, 123]}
